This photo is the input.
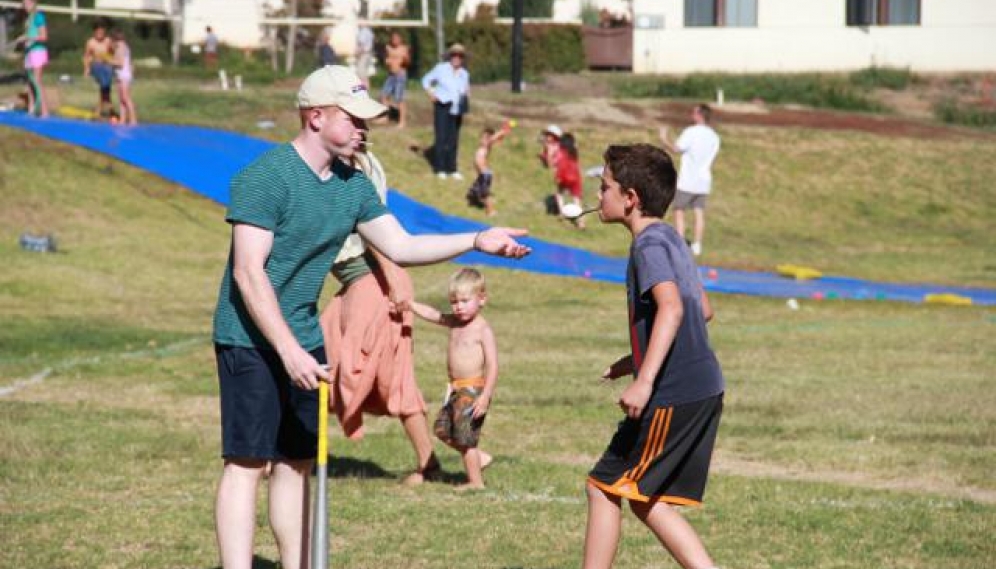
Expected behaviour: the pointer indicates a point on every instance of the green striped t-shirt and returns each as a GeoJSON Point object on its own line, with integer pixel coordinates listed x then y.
{"type": "Point", "coordinates": [309, 218]}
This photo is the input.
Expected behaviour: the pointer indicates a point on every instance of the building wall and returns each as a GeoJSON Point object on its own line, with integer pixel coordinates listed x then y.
{"type": "Point", "coordinates": [811, 35]}
{"type": "Point", "coordinates": [236, 22]}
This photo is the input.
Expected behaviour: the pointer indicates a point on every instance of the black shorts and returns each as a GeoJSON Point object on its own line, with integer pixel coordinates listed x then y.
{"type": "Point", "coordinates": [664, 456]}
{"type": "Point", "coordinates": [264, 415]}
{"type": "Point", "coordinates": [480, 189]}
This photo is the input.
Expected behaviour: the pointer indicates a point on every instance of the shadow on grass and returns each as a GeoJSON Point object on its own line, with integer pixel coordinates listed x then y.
{"type": "Point", "coordinates": [348, 467]}
{"type": "Point", "coordinates": [259, 563]}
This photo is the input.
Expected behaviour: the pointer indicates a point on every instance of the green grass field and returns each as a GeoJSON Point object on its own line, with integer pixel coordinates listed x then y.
{"type": "Point", "coordinates": [856, 434]}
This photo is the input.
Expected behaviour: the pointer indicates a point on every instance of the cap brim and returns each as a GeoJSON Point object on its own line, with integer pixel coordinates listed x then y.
{"type": "Point", "coordinates": [363, 108]}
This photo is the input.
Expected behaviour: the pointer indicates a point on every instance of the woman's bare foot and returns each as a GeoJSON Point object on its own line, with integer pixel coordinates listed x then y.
{"type": "Point", "coordinates": [430, 471]}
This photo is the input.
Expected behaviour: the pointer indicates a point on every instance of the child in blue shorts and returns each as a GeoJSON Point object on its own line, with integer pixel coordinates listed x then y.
{"type": "Point", "coordinates": [659, 456]}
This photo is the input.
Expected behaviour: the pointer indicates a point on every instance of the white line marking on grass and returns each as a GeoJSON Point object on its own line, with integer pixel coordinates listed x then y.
{"type": "Point", "coordinates": [64, 365]}
{"type": "Point", "coordinates": [22, 383]}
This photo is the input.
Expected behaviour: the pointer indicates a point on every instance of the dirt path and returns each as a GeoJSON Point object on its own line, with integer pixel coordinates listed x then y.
{"type": "Point", "coordinates": [582, 99]}
{"type": "Point", "coordinates": [737, 466]}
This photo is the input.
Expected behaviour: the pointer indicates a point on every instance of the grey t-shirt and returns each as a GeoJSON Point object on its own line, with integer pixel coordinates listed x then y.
{"type": "Point", "coordinates": [690, 371]}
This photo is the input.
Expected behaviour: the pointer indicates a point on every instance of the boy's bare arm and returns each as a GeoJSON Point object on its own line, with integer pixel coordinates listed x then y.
{"type": "Point", "coordinates": [490, 347]}
{"type": "Point", "coordinates": [665, 327]}
{"type": "Point", "coordinates": [430, 314]}
{"type": "Point", "coordinates": [500, 135]}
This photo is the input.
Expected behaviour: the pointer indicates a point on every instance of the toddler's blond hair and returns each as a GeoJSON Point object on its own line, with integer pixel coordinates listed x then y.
{"type": "Point", "coordinates": [468, 280]}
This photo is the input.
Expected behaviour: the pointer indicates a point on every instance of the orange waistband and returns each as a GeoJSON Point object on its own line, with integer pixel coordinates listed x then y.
{"type": "Point", "coordinates": [465, 383]}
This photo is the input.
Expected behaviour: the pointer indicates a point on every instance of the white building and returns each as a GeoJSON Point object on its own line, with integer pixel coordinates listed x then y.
{"type": "Point", "coordinates": [238, 23]}
{"type": "Point", "coordinates": [750, 36]}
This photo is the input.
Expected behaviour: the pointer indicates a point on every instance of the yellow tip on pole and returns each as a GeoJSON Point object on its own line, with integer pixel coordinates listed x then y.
{"type": "Point", "coordinates": [323, 423]}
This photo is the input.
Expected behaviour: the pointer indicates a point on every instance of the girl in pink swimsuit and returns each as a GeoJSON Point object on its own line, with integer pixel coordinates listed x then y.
{"type": "Point", "coordinates": [123, 73]}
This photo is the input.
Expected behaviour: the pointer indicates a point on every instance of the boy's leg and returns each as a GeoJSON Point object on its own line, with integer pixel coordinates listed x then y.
{"type": "Point", "coordinates": [602, 534]}
{"type": "Point", "coordinates": [289, 505]}
{"type": "Point", "coordinates": [472, 463]}
{"type": "Point", "coordinates": [235, 511]}
{"type": "Point", "coordinates": [674, 532]}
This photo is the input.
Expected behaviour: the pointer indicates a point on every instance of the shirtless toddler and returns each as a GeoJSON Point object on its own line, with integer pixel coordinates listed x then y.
{"type": "Point", "coordinates": [472, 363]}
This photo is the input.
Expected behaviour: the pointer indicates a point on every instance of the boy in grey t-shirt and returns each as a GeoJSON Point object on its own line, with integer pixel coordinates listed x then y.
{"type": "Point", "coordinates": [659, 456]}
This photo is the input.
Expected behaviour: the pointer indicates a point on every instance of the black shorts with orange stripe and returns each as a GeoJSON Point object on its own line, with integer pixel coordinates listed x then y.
{"type": "Point", "coordinates": [662, 457]}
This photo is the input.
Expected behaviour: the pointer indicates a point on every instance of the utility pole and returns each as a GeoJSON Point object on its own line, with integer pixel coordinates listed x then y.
{"type": "Point", "coordinates": [440, 40]}
{"type": "Point", "coordinates": [517, 47]}
{"type": "Point", "coordinates": [174, 10]}
{"type": "Point", "coordinates": [291, 39]}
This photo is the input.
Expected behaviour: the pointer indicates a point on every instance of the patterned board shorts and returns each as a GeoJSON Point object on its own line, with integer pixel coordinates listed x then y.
{"type": "Point", "coordinates": [454, 424]}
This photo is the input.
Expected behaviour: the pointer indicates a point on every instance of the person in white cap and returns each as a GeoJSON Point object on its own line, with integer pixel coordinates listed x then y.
{"type": "Point", "coordinates": [550, 139]}
{"type": "Point", "coordinates": [290, 211]}
{"type": "Point", "coordinates": [448, 86]}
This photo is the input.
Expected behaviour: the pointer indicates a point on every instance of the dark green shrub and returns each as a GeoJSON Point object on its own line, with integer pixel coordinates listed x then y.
{"type": "Point", "coordinates": [951, 112]}
{"type": "Point", "coordinates": [816, 90]}
{"type": "Point", "coordinates": [530, 8]}
{"type": "Point", "coordinates": [893, 78]}
{"type": "Point", "coordinates": [546, 48]}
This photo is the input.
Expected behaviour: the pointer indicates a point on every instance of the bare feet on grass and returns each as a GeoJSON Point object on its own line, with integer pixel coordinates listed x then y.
{"type": "Point", "coordinates": [430, 471]}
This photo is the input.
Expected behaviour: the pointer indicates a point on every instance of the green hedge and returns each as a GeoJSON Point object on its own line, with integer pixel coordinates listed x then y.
{"type": "Point", "coordinates": [546, 48]}
{"type": "Point", "coordinates": [951, 112]}
{"type": "Point", "coordinates": [530, 8]}
{"type": "Point", "coordinates": [813, 89]}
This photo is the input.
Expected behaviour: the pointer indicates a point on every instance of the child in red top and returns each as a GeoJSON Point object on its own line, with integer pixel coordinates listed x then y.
{"type": "Point", "coordinates": [568, 175]}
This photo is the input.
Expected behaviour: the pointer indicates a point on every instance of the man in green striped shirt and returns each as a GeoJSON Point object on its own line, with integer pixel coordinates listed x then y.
{"type": "Point", "coordinates": [290, 211]}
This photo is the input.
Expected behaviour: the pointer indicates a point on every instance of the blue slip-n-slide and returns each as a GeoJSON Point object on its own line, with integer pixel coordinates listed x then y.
{"type": "Point", "coordinates": [205, 159]}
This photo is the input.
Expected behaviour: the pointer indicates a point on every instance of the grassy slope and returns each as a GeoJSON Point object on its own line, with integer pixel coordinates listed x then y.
{"type": "Point", "coordinates": [856, 434]}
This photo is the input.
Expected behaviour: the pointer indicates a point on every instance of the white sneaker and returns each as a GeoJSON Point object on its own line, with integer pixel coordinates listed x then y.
{"type": "Point", "coordinates": [456, 176]}
{"type": "Point", "coordinates": [441, 175]}
{"type": "Point", "coordinates": [696, 249]}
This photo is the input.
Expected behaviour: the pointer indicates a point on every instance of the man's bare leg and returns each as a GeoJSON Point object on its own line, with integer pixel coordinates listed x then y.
{"type": "Point", "coordinates": [289, 507]}
{"type": "Point", "coordinates": [235, 511]}
{"type": "Point", "coordinates": [679, 222]}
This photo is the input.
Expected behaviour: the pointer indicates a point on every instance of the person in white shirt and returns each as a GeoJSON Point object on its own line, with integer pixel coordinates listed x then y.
{"type": "Point", "coordinates": [448, 86]}
{"type": "Point", "coordinates": [364, 54]}
{"type": "Point", "coordinates": [698, 146]}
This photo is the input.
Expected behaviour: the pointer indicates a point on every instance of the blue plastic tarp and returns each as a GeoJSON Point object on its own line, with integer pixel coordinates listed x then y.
{"type": "Point", "coordinates": [205, 159]}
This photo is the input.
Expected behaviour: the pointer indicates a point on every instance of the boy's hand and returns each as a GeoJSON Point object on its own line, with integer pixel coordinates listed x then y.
{"type": "Point", "coordinates": [481, 406]}
{"type": "Point", "coordinates": [622, 366]}
{"type": "Point", "coordinates": [634, 399]}
{"type": "Point", "coordinates": [400, 301]}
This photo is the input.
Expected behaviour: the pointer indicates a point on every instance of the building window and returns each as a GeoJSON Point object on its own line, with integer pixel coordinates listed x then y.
{"type": "Point", "coordinates": [729, 13]}
{"type": "Point", "coordinates": [883, 12]}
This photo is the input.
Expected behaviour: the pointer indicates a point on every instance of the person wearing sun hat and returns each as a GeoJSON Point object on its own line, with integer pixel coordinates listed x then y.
{"type": "Point", "coordinates": [550, 139]}
{"type": "Point", "coordinates": [448, 86]}
{"type": "Point", "coordinates": [290, 210]}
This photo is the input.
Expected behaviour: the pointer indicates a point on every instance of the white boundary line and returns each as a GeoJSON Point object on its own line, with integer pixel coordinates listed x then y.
{"type": "Point", "coordinates": [40, 376]}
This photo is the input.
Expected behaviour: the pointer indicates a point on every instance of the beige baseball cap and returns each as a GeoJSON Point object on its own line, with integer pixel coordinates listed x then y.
{"type": "Point", "coordinates": [337, 85]}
